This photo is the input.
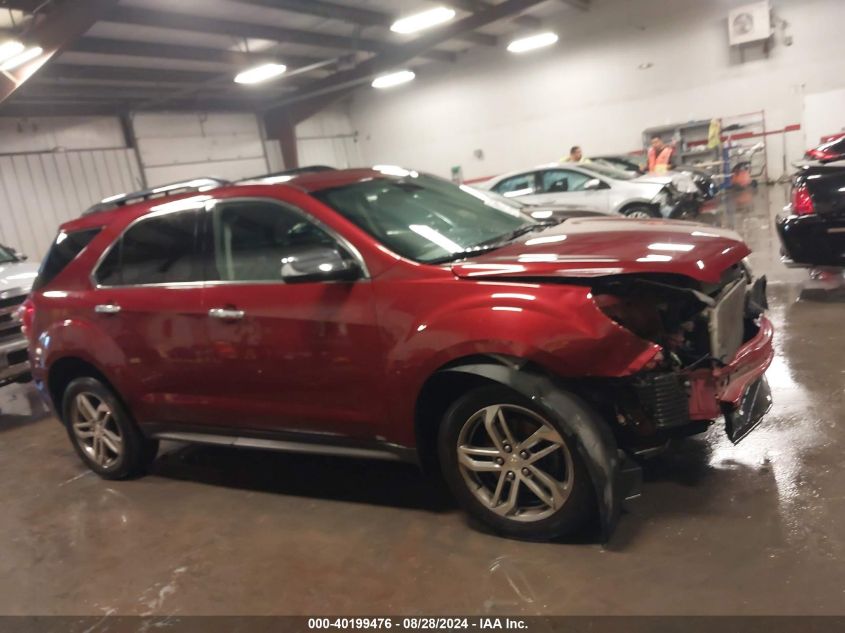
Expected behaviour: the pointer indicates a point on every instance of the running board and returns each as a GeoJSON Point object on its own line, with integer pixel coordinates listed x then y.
{"type": "Point", "coordinates": [389, 452]}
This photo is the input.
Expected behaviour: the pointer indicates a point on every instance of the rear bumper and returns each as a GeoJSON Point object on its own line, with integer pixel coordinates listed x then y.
{"type": "Point", "coordinates": [812, 240]}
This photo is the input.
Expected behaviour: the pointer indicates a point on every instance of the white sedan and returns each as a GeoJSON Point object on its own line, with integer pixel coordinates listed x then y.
{"type": "Point", "coordinates": [591, 186]}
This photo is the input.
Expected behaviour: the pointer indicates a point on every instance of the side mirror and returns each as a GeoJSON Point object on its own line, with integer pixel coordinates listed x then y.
{"type": "Point", "coordinates": [319, 263]}
{"type": "Point", "coordinates": [559, 185]}
{"type": "Point", "coordinates": [592, 184]}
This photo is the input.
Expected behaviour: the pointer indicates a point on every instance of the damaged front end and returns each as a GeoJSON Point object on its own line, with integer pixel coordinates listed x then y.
{"type": "Point", "coordinates": [716, 345]}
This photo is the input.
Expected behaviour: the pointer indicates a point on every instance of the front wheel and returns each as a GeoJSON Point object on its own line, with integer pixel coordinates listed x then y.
{"type": "Point", "coordinates": [513, 468]}
{"type": "Point", "coordinates": [641, 211]}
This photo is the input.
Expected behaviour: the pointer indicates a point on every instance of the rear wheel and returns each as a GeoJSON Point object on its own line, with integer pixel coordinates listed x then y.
{"type": "Point", "coordinates": [102, 432]}
{"type": "Point", "coordinates": [640, 211]}
{"type": "Point", "coordinates": [512, 467]}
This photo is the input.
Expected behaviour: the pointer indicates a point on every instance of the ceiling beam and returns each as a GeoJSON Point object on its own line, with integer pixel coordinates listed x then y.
{"type": "Point", "coordinates": [354, 15]}
{"type": "Point", "coordinates": [582, 5]}
{"type": "Point", "coordinates": [125, 73]}
{"type": "Point", "coordinates": [236, 59]}
{"type": "Point", "coordinates": [202, 24]}
{"type": "Point", "coordinates": [474, 6]}
{"type": "Point", "coordinates": [53, 32]}
{"type": "Point", "coordinates": [306, 102]}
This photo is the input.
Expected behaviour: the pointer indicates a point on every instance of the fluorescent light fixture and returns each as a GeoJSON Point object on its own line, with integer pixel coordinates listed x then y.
{"type": "Point", "coordinates": [394, 79]}
{"type": "Point", "coordinates": [532, 42]}
{"type": "Point", "coordinates": [260, 73]}
{"type": "Point", "coordinates": [423, 20]}
{"type": "Point", "coordinates": [19, 60]}
{"type": "Point", "coordinates": [9, 49]}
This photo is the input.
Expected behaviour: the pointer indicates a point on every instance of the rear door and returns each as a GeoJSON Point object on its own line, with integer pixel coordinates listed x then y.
{"type": "Point", "coordinates": [148, 298]}
{"type": "Point", "coordinates": [303, 356]}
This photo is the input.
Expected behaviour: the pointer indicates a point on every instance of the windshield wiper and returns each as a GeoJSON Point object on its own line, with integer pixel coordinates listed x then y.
{"type": "Point", "coordinates": [494, 243]}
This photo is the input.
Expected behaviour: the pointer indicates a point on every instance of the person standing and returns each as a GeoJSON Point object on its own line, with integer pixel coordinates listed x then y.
{"type": "Point", "coordinates": [661, 157]}
{"type": "Point", "coordinates": [576, 156]}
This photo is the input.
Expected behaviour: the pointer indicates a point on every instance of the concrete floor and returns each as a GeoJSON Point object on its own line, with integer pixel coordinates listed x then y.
{"type": "Point", "coordinates": [751, 529]}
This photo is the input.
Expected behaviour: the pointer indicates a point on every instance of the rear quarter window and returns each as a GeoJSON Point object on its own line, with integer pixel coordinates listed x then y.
{"type": "Point", "coordinates": [65, 248]}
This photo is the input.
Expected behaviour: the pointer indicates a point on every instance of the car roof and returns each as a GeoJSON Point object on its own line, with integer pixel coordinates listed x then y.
{"type": "Point", "coordinates": [141, 203]}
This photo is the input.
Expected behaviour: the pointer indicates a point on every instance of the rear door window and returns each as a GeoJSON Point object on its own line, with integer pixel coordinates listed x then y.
{"type": "Point", "coordinates": [65, 248]}
{"type": "Point", "coordinates": [160, 249]}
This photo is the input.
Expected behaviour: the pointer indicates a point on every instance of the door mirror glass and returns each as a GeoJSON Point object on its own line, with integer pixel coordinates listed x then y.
{"type": "Point", "coordinates": [592, 184]}
{"type": "Point", "coordinates": [319, 263]}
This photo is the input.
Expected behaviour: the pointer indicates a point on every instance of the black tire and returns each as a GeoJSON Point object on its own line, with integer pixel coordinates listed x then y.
{"type": "Point", "coordinates": [579, 506]}
{"type": "Point", "coordinates": [137, 452]}
{"type": "Point", "coordinates": [642, 211]}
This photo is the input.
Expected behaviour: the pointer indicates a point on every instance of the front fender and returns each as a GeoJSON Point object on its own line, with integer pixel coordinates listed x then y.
{"type": "Point", "coordinates": [615, 478]}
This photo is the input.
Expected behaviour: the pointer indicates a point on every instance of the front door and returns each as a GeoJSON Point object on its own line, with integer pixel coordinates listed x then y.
{"type": "Point", "coordinates": [567, 186]}
{"type": "Point", "coordinates": [287, 355]}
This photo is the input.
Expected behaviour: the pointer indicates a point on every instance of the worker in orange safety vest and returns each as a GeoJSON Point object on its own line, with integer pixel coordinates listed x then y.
{"type": "Point", "coordinates": [661, 157]}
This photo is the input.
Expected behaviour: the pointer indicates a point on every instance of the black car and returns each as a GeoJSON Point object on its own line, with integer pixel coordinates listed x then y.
{"type": "Point", "coordinates": [813, 230]}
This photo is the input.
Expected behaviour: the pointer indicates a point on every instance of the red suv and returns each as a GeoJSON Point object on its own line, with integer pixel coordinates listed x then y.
{"type": "Point", "coordinates": [388, 314]}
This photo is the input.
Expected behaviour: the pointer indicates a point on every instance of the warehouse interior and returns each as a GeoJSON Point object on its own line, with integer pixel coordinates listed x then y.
{"type": "Point", "coordinates": [101, 98]}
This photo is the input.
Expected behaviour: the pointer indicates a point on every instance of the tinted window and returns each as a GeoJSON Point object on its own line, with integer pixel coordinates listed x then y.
{"type": "Point", "coordinates": [522, 185]}
{"type": "Point", "coordinates": [423, 218]}
{"type": "Point", "coordinates": [556, 180]}
{"type": "Point", "coordinates": [252, 240]}
{"type": "Point", "coordinates": [63, 251]}
{"type": "Point", "coordinates": [157, 250]}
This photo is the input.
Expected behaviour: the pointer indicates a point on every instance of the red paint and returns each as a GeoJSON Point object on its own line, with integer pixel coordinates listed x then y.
{"type": "Point", "coordinates": [352, 358]}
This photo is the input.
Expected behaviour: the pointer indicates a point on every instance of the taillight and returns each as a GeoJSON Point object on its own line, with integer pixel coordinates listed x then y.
{"type": "Point", "coordinates": [802, 202]}
{"type": "Point", "coordinates": [822, 154]}
{"type": "Point", "coordinates": [26, 314]}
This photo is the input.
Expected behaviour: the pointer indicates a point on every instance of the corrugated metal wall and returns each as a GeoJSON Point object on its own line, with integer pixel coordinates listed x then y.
{"type": "Point", "coordinates": [39, 191]}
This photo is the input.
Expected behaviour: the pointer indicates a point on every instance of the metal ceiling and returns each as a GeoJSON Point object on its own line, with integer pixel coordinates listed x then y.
{"type": "Point", "coordinates": [160, 54]}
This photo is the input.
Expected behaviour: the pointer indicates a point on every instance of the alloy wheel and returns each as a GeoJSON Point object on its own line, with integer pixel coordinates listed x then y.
{"type": "Point", "coordinates": [95, 429]}
{"type": "Point", "coordinates": [640, 215]}
{"type": "Point", "coordinates": [515, 463]}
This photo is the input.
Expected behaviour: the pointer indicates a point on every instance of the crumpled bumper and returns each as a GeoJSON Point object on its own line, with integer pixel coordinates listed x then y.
{"type": "Point", "coordinates": [739, 389]}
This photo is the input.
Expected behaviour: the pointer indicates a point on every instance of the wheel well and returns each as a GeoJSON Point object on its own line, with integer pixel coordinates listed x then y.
{"type": "Point", "coordinates": [64, 371]}
{"type": "Point", "coordinates": [436, 396]}
{"type": "Point", "coordinates": [631, 205]}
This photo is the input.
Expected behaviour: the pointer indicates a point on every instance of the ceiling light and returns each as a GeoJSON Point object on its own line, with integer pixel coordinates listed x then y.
{"type": "Point", "coordinates": [260, 73]}
{"type": "Point", "coordinates": [19, 60]}
{"type": "Point", "coordinates": [9, 49]}
{"type": "Point", "coordinates": [525, 44]}
{"type": "Point", "coordinates": [423, 20]}
{"type": "Point", "coordinates": [393, 79]}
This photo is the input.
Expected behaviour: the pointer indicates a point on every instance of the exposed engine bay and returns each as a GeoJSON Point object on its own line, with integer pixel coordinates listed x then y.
{"type": "Point", "coordinates": [699, 328]}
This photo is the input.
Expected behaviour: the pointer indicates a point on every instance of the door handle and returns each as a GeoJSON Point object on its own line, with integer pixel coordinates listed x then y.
{"type": "Point", "coordinates": [106, 308]}
{"type": "Point", "coordinates": [226, 314]}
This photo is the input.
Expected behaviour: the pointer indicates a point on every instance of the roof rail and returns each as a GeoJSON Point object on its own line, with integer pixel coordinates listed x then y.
{"type": "Point", "coordinates": [289, 174]}
{"type": "Point", "coordinates": [173, 189]}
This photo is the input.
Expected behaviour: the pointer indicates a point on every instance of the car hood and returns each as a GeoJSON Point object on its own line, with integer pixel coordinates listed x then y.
{"type": "Point", "coordinates": [17, 277]}
{"type": "Point", "coordinates": [595, 247]}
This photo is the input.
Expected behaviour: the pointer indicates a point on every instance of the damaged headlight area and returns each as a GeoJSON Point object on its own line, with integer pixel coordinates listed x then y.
{"type": "Point", "coordinates": [703, 331]}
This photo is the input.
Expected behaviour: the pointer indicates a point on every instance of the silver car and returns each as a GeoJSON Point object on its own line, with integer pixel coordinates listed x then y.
{"type": "Point", "coordinates": [16, 277]}
{"type": "Point", "coordinates": [591, 186]}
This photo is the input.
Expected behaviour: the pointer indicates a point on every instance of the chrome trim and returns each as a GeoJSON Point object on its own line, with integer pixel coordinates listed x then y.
{"type": "Point", "coordinates": [226, 314]}
{"type": "Point", "coordinates": [286, 446]}
{"type": "Point", "coordinates": [836, 230]}
{"type": "Point", "coordinates": [12, 371]}
{"type": "Point", "coordinates": [106, 308]}
{"type": "Point", "coordinates": [206, 207]}
{"type": "Point", "coordinates": [14, 345]}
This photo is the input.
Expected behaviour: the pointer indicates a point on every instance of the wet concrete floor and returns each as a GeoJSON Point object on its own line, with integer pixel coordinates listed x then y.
{"type": "Point", "coordinates": [750, 529]}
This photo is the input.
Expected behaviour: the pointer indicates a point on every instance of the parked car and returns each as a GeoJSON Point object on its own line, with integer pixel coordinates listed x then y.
{"type": "Point", "coordinates": [812, 229]}
{"type": "Point", "coordinates": [592, 187]}
{"type": "Point", "coordinates": [686, 178]}
{"type": "Point", "coordinates": [831, 150]}
{"type": "Point", "coordinates": [389, 314]}
{"type": "Point", "coordinates": [551, 212]}
{"type": "Point", "coordinates": [16, 277]}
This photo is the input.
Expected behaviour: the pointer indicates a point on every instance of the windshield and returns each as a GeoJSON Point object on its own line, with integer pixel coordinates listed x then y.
{"type": "Point", "coordinates": [425, 218]}
{"type": "Point", "coordinates": [7, 255]}
{"type": "Point", "coordinates": [603, 169]}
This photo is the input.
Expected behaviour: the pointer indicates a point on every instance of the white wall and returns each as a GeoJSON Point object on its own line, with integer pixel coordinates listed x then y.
{"type": "Point", "coordinates": [180, 146]}
{"type": "Point", "coordinates": [526, 109]}
{"type": "Point", "coordinates": [47, 134]}
{"type": "Point", "coordinates": [328, 138]}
